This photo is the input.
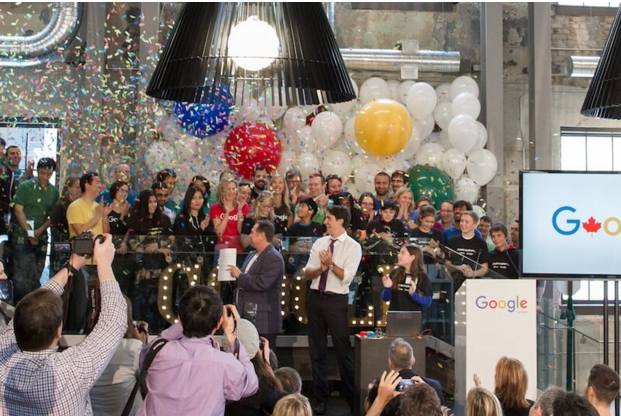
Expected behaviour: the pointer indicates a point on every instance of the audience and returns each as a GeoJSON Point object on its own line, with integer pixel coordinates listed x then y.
{"type": "Point", "coordinates": [543, 405]}
{"type": "Point", "coordinates": [293, 405]}
{"type": "Point", "coordinates": [511, 383]}
{"type": "Point", "coordinates": [482, 402]}
{"type": "Point", "coordinates": [420, 400]}
{"type": "Point", "coordinates": [570, 404]}
{"type": "Point", "coordinates": [290, 380]}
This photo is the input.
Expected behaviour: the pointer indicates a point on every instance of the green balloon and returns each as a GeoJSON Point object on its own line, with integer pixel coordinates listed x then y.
{"type": "Point", "coordinates": [431, 182]}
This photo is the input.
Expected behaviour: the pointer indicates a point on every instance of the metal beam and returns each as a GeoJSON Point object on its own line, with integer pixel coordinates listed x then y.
{"type": "Point", "coordinates": [540, 86]}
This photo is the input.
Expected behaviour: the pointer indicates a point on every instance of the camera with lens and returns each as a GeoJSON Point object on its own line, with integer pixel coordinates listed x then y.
{"type": "Point", "coordinates": [84, 244]}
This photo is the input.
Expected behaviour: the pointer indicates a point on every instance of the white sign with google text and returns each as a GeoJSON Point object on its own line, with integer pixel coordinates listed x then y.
{"type": "Point", "coordinates": [501, 321]}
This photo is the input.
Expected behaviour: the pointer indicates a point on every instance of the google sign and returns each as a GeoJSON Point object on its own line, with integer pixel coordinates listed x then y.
{"type": "Point", "coordinates": [511, 305]}
{"type": "Point", "coordinates": [612, 225]}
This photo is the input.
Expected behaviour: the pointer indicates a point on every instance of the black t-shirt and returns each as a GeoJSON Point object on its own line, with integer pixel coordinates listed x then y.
{"type": "Point", "coordinates": [281, 219]}
{"type": "Point", "coordinates": [505, 263]}
{"type": "Point", "coordinates": [472, 252]}
{"type": "Point", "coordinates": [401, 299]}
{"type": "Point", "coordinates": [394, 227]}
{"type": "Point", "coordinates": [311, 230]}
{"type": "Point", "coordinates": [118, 227]}
{"type": "Point", "coordinates": [423, 239]}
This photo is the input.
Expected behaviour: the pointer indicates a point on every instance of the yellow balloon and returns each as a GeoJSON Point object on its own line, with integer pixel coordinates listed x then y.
{"type": "Point", "coordinates": [383, 127]}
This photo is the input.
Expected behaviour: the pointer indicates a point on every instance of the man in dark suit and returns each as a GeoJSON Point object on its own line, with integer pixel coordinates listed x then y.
{"type": "Point", "coordinates": [259, 281]}
{"type": "Point", "coordinates": [401, 358]}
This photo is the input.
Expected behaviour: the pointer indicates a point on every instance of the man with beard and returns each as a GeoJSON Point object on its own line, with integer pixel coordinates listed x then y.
{"type": "Point", "coordinates": [459, 207]}
{"type": "Point", "coordinates": [382, 189]}
{"type": "Point", "coordinates": [259, 179]}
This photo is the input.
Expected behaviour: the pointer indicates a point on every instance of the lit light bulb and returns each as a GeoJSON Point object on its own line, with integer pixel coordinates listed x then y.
{"type": "Point", "coordinates": [253, 44]}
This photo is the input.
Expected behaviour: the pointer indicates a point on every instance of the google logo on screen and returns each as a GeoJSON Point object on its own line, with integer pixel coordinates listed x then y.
{"type": "Point", "coordinates": [511, 305]}
{"type": "Point", "coordinates": [611, 225]}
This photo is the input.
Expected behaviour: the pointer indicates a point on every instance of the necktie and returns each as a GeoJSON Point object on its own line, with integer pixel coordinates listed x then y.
{"type": "Point", "coordinates": [324, 276]}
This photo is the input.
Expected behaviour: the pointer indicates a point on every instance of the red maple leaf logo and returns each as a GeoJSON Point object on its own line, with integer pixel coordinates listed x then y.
{"type": "Point", "coordinates": [591, 226]}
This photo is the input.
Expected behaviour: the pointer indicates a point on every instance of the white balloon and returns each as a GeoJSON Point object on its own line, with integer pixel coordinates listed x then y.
{"type": "Point", "coordinates": [479, 211]}
{"type": "Point", "coordinates": [443, 91]}
{"type": "Point", "coordinates": [394, 90]}
{"type": "Point", "coordinates": [352, 189]}
{"type": "Point", "coordinates": [425, 125]}
{"type": "Point", "coordinates": [421, 99]}
{"type": "Point", "coordinates": [306, 142]}
{"type": "Point", "coordinates": [466, 103]}
{"type": "Point", "coordinates": [453, 163]}
{"type": "Point", "coordinates": [429, 154]}
{"type": "Point", "coordinates": [444, 140]}
{"type": "Point", "coordinates": [360, 160]}
{"type": "Point", "coordinates": [350, 136]}
{"type": "Point", "coordinates": [466, 190]}
{"type": "Point", "coordinates": [482, 166]}
{"type": "Point", "coordinates": [391, 164]}
{"type": "Point", "coordinates": [482, 136]}
{"type": "Point", "coordinates": [342, 109]}
{"type": "Point", "coordinates": [288, 160]}
{"type": "Point", "coordinates": [403, 90]}
{"type": "Point", "coordinates": [364, 177]}
{"type": "Point", "coordinates": [249, 111]}
{"type": "Point", "coordinates": [272, 103]}
{"type": "Point", "coordinates": [327, 128]}
{"type": "Point", "coordinates": [413, 144]}
{"type": "Point", "coordinates": [463, 132]}
{"type": "Point", "coordinates": [308, 164]}
{"type": "Point", "coordinates": [374, 88]}
{"type": "Point", "coordinates": [443, 114]}
{"type": "Point", "coordinates": [464, 84]}
{"type": "Point", "coordinates": [159, 155]}
{"type": "Point", "coordinates": [295, 119]}
{"type": "Point", "coordinates": [336, 163]}
{"type": "Point", "coordinates": [432, 138]}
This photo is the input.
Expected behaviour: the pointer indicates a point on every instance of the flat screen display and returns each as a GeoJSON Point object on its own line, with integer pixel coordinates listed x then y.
{"type": "Point", "coordinates": [570, 223]}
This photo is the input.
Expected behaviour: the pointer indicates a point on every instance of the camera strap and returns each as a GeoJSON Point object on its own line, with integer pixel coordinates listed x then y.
{"type": "Point", "coordinates": [141, 381]}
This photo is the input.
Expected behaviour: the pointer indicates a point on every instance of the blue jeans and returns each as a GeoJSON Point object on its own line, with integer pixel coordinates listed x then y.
{"type": "Point", "coordinates": [28, 264]}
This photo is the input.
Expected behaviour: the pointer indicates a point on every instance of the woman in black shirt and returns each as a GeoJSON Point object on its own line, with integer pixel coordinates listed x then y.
{"type": "Point", "coordinates": [430, 239]}
{"type": "Point", "coordinates": [124, 264]}
{"type": "Point", "coordinates": [407, 287]}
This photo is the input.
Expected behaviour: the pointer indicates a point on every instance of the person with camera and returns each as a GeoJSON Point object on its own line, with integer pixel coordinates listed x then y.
{"type": "Point", "coordinates": [190, 375]}
{"type": "Point", "coordinates": [41, 380]}
{"type": "Point", "coordinates": [34, 200]}
{"type": "Point", "coordinates": [259, 282]}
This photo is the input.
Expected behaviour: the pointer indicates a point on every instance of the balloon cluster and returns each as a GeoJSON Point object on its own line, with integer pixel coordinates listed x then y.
{"type": "Point", "coordinates": [392, 125]}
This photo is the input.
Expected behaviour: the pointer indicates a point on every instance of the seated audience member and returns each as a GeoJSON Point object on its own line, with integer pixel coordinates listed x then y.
{"type": "Point", "coordinates": [420, 400]}
{"type": "Point", "coordinates": [190, 375]}
{"type": "Point", "coordinates": [408, 288]}
{"type": "Point", "coordinates": [35, 378]}
{"type": "Point", "coordinates": [290, 379]}
{"type": "Point", "coordinates": [484, 227]}
{"type": "Point", "coordinates": [467, 254]}
{"type": "Point", "coordinates": [570, 404]}
{"type": "Point", "coordinates": [459, 207]}
{"type": "Point", "coordinates": [398, 180]}
{"type": "Point", "coordinates": [511, 383]}
{"type": "Point", "coordinates": [543, 405]}
{"type": "Point", "coordinates": [401, 359]}
{"type": "Point", "coordinates": [113, 388]}
{"type": "Point", "coordinates": [270, 391]}
{"type": "Point", "coordinates": [387, 227]}
{"type": "Point", "coordinates": [504, 259]}
{"type": "Point", "coordinates": [602, 388]}
{"type": "Point", "coordinates": [162, 195]}
{"type": "Point", "coordinates": [293, 405]}
{"type": "Point", "coordinates": [482, 402]}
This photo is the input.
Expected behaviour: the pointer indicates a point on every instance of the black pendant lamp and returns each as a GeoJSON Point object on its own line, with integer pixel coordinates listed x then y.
{"type": "Point", "coordinates": [281, 54]}
{"type": "Point", "coordinates": [603, 100]}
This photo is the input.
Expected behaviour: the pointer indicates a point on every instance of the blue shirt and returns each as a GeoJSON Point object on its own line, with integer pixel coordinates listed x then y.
{"type": "Point", "coordinates": [454, 232]}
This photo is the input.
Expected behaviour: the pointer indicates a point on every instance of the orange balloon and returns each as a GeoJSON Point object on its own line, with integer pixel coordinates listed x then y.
{"type": "Point", "coordinates": [383, 127]}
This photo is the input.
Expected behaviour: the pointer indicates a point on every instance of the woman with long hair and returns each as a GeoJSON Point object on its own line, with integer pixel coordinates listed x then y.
{"type": "Point", "coordinates": [263, 210]}
{"type": "Point", "coordinates": [408, 287]}
{"type": "Point", "coordinates": [430, 238]}
{"type": "Point", "coordinates": [124, 263]}
{"type": "Point", "coordinates": [482, 402]}
{"type": "Point", "coordinates": [58, 216]}
{"type": "Point", "coordinates": [228, 215]}
{"type": "Point", "coordinates": [293, 405]}
{"type": "Point", "coordinates": [282, 205]}
{"type": "Point", "coordinates": [150, 238]}
{"type": "Point", "coordinates": [511, 383]}
{"type": "Point", "coordinates": [405, 199]}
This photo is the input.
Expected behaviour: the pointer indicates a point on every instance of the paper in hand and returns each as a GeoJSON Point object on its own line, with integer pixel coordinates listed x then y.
{"type": "Point", "coordinates": [228, 257]}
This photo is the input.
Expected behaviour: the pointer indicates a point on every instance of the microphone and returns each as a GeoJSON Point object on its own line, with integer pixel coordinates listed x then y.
{"type": "Point", "coordinates": [444, 247]}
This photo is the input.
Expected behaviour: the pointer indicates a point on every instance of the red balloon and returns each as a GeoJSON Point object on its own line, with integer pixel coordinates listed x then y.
{"type": "Point", "coordinates": [250, 145]}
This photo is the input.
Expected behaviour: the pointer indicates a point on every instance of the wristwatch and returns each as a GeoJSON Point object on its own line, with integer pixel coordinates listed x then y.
{"type": "Point", "coordinates": [331, 268]}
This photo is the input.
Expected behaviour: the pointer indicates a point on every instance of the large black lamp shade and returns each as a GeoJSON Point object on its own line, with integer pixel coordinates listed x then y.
{"type": "Point", "coordinates": [603, 99]}
{"type": "Point", "coordinates": [197, 63]}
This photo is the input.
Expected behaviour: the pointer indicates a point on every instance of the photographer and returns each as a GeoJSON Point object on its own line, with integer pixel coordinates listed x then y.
{"type": "Point", "coordinates": [41, 379]}
{"type": "Point", "coordinates": [190, 375]}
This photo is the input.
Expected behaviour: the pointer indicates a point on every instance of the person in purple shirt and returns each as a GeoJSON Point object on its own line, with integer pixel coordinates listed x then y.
{"type": "Point", "coordinates": [190, 375]}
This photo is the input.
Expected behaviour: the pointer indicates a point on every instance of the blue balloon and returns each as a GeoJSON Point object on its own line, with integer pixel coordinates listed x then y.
{"type": "Point", "coordinates": [203, 120]}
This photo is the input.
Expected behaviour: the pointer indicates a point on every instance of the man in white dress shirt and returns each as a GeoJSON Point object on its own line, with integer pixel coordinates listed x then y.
{"type": "Point", "coordinates": [333, 263]}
